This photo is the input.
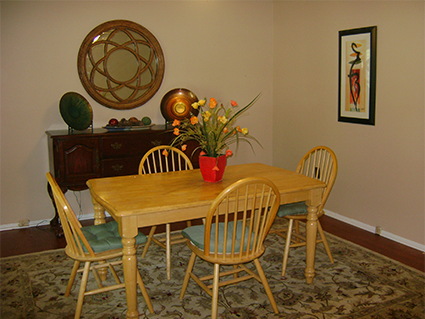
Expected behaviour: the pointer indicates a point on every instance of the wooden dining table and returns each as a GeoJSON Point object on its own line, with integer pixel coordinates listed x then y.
{"type": "Point", "coordinates": [153, 199]}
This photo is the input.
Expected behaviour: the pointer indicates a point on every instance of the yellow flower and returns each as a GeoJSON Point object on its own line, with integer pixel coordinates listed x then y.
{"type": "Point", "coordinates": [222, 119]}
{"type": "Point", "coordinates": [206, 115]}
{"type": "Point", "coordinates": [245, 131]}
{"type": "Point", "coordinates": [195, 105]}
{"type": "Point", "coordinates": [213, 103]}
{"type": "Point", "coordinates": [202, 102]}
{"type": "Point", "coordinates": [194, 120]}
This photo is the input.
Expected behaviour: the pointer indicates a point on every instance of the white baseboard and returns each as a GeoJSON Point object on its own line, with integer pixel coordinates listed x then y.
{"type": "Point", "coordinates": [371, 229]}
{"type": "Point", "coordinates": [344, 219]}
{"type": "Point", "coordinates": [44, 222]}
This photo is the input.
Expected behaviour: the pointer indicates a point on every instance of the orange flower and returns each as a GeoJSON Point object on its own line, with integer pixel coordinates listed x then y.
{"type": "Point", "coordinates": [229, 153]}
{"type": "Point", "coordinates": [176, 123]}
{"type": "Point", "coordinates": [194, 120]}
{"type": "Point", "coordinates": [238, 128]}
{"type": "Point", "coordinates": [225, 130]}
{"type": "Point", "coordinates": [184, 147]}
{"type": "Point", "coordinates": [215, 168]}
{"type": "Point", "coordinates": [165, 153]}
{"type": "Point", "coordinates": [213, 103]}
{"type": "Point", "coordinates": [176, 131]}
{"type": "Point", "coordinates": [202, 153]}
{"type": "Point", "coordinates": [233, 103]}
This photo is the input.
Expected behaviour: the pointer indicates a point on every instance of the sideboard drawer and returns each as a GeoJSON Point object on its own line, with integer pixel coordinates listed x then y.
{"type": "Point", "coordinates": [119, 167]}
{"type": "Point", "coordinates": [132, 145]}
{"type": "Point", "coordinates": [124, 146]}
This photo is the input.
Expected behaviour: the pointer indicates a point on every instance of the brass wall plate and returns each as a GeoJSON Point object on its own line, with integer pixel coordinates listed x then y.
{"type": "Point", "coordinates": [177, 104]}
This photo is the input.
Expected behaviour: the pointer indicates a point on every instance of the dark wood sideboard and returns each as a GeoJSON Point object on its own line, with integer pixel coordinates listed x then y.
{"type": "Point", "coordinates": [76, 157]}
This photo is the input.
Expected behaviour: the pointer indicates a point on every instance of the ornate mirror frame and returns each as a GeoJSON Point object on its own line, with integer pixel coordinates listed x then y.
{"type": "Point", "coordinates": [121, 64]}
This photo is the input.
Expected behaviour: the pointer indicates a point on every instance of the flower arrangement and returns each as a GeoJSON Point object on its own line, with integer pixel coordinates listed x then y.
{"type": "Point", "coordinates": [215, 129]}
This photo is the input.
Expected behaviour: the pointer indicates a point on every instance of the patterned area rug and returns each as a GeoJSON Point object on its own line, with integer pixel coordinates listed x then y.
{"type": "Point", "coordinates": [360, 284]}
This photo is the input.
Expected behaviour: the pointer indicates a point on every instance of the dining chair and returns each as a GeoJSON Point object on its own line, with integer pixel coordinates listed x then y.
{"type": "Point", "coordinates": [99, 247]}
{"type": "Point", "coordinates": [319, 163]}
{"type": "Point", "coordinates": [162, 159]}
{"type": "Point", "coordinates": [236, 226]}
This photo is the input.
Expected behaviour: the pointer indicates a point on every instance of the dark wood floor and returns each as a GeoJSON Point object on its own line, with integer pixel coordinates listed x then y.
{"type": "Point", "coordinates": [35, 239]}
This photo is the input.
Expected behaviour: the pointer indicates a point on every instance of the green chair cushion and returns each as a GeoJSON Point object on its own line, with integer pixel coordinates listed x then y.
{"type": "Point", "coordinates": [105, 237]}
{"type": "Point", "coordinates": [196, 235]}
{"type": "Point", "coordinates": [299, 208]}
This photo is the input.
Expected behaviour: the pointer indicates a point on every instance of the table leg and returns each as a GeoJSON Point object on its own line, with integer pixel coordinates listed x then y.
{"type": "Point", "coordinates": [168, 250]}
{"type": "Point", "coordinates": [99, 213]}
{"type": "Point", "coordinates": [311, 229]}
{"type": "Point", "coordinates": [129, 261]}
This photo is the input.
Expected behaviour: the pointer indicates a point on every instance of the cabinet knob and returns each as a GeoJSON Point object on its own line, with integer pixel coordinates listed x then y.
{"type": "Point", "coordinates": [117, 167]}
{"type": "Point", "coordinates": [116, 146]}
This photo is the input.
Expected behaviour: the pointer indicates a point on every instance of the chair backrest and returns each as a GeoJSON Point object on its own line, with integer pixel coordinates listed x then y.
{"type": "Point", "coordinates": [245, 211]}
{"type": "Point", "coordinates": [71, 226]}
{"type": "Point", "coordinates": [164, 158]}
{"type": "Point", "coordinates": [320, 163]}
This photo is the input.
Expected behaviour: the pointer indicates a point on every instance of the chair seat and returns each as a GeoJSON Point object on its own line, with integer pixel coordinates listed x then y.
{"type": "Point", "coordinates": [105, 237]}
{"type": "Point", "coordinates": [299, 208]}
{"type": "Point", "coordinates": [196, 235]}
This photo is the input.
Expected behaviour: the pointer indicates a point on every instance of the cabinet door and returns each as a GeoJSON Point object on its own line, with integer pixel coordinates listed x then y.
{"type": "Point", "coordinates": [78, 161]}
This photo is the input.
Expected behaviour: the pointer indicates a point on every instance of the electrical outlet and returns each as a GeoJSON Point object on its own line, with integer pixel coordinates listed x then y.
{"type": "Point", "coordinates": [23, 222]}
{"type": "Point", "coordinates": [378, 230]}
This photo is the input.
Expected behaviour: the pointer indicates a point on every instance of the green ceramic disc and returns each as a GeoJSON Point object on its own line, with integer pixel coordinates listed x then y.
{"type": "Point", "coordinates": [76, 111]}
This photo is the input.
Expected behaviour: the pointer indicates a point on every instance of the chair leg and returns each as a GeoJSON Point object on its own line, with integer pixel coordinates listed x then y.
{"type": "Point", "coordinates": [266, 285]}
{"type": "Point", "coordinates": [82, 290]}
{"type": "Point", "coordinates": [214, 305]}
{"type": "Point", "coordinates": [150, 236]}
{"type": "Point", "coordinates": [72, 278]}
{"type": "Point", "coordinates": [287, 247]}
{"type": "Point", "coordinates": [325, 242]}
{"type": "Point", "coordinates": [168, 250]}
{"type": "Point", "coordinates": [144, 292]}
{"type": "Point", "coordinates": [187, 276]}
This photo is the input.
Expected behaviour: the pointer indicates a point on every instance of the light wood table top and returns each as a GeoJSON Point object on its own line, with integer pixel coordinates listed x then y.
{"type": "Point", "coordinates": [150, 195]}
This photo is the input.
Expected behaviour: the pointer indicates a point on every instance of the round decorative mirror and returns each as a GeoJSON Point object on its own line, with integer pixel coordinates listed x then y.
{"type": "Point", "coordinates": [121, 64]}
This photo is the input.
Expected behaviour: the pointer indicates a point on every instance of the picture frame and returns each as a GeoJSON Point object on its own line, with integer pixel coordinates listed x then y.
{"type": "Point", "coordinates": [357, 75]}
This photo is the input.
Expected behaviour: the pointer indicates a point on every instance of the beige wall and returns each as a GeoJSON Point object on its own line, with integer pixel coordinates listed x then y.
{"type": "Point", "coordinates": [208, 48]}
{"type": "Point", "coordinates": [381, 167]}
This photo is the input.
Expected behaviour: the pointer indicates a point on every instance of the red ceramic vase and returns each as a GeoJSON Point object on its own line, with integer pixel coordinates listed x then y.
{"type": "Point", "coordinates": [212, 168]}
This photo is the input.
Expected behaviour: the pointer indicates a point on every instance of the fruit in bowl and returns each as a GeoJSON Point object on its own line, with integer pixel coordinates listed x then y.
{"type": "Point", "coordinates": [133, 121]}
{"type": "Point", "coordinates": [146, 121]}
{"type": "Point", "coordinates": [113, 122]}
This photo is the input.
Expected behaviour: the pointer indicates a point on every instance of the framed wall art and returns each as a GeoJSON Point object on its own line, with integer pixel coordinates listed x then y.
{"type": "Point", "coordinates": [357, 75]}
